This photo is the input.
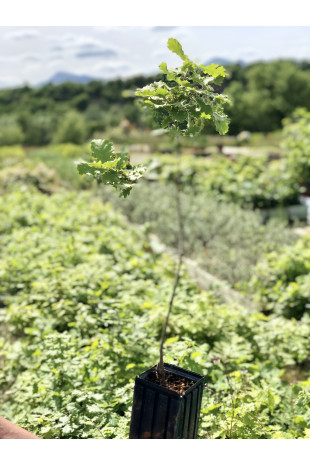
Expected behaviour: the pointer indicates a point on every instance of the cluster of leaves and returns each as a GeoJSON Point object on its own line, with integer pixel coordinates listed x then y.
{"type": "Point", "coordinates": [81, 311]}
{"type": "Point", "coordinates": [282, 280]}
{"type": "Point", "coordinates": [111, 167]}
{"type": "Point", "coordinates": [187, 97]}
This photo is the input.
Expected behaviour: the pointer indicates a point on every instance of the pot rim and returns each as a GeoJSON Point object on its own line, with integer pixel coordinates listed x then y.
{"type": "Point", "coordinates": [187, 374]}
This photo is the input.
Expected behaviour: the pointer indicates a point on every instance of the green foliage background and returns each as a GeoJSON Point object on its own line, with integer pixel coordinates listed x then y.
{"type": "Point", "coordinates": [262, 95]}
{"type": "Point", "coordinates": [82, 300]}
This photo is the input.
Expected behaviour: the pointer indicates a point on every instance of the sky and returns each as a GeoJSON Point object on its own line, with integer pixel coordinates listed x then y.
{"type": "Point", "coordinates": [32, 55]}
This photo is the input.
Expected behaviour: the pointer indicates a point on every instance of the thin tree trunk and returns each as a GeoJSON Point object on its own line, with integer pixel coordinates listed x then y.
{"type": "Point", "coordinates": [177, 276]}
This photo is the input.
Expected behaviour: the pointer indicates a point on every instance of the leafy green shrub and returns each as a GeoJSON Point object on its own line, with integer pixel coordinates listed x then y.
{"type": "Point", "coordinates": [11, 132]}
{"type": "Point", "coordinates": [252, 181]}
{"type": "Point", "coordinates": [71, 128]}
{"type": "Point", "coordinates": [181, 105]}
{"type": "Point", "coordinates": [281, 281]}
{"type": "Point", "coordinates": [21, 175]}
{"type": "Point", "coordinates": [296, 145]}
{"type": "Point", "coordinates": [38, 127]}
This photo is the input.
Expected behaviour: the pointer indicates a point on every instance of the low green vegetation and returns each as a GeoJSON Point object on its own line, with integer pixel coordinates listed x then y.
{"type": "Point", "coordinates": [281, 281]}
{"type": "Point", "coordinates": [252, 182]}
{"type": "Point", "coordinates": [218, 235]}
{"type": "Point", "coordinates": [296, 145]}
{"type": "Point", "coordinates": [82, 297]}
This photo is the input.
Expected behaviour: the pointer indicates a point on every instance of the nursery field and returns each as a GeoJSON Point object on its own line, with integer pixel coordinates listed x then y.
{"type": "Point", "coordinates": [82, 301]}
{"type": "Point", "coordinates": [154, 244]}
{"type": "Point", "coordinates": [87, 277]}
{"type": "Point", "coordinates": [84, 291]}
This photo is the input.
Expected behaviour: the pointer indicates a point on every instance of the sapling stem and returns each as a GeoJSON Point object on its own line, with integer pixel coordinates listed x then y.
{"type": "Point", "coordinates": [177, 275]}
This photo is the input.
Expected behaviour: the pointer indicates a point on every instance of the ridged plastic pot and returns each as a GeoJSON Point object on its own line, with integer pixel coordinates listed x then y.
{"type": "Point", "coordinates": [159, 413]}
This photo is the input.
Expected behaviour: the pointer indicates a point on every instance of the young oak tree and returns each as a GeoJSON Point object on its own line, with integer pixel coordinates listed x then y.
{"type": "Point", "coordinates": [181, 104]}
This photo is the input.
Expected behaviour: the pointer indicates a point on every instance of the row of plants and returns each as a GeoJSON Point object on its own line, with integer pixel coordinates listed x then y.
{"type": "Point", "coordinates": [250, 181]}
{"type": "Point", "coordinates": [226, 240]}
{"type": "Point", "coordinates": [81, 310]}
{"type": "Point", "coordinates": [217, 234]}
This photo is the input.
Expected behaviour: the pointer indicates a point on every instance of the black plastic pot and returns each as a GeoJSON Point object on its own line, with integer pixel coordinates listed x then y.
{"type": "Point", "coordinates": [159, 413]}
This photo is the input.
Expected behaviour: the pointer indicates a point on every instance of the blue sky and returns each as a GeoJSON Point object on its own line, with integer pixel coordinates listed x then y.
{"type": "Point", "coordinates": [33, 54]}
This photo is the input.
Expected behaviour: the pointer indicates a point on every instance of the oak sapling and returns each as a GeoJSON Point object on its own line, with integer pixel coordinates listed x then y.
{"type": "Point", "coordinates": [181, 103]}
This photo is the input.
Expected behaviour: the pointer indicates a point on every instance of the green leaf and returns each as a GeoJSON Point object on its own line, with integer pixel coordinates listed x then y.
{"type": "Point", "coordinates": [163, 68]}
{"type": "Point", "coordinates": [67, 429]}
{"type": "Point", "coordinates": [221, 123]}
{"type": "Point", "coordinates": [83, 168]}
{"type": "Point", "coordinates": [102, 149]}
{"type": "Point", "coordinates": [175, 47]}
{"type": "Point", "coordinates": [179, 115]}
{"type": "Point", "coordinates": [214, 70]}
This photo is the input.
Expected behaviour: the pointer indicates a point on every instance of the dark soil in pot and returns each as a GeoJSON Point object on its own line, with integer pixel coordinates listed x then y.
{"type": "Point", "coordinates": [166, 412]}
{"type": "Point", "coordinates": [173, 382]}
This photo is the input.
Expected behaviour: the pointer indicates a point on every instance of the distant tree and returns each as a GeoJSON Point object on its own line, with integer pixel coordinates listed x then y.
{"type": "Point", "coordinates": [71, 128]}
{"type": "Point", "coordinates": [11, 132]}
{"type": "Point", "coordinates": [266, 94]}
{"type": "Point", "coordinates": [38, 127]}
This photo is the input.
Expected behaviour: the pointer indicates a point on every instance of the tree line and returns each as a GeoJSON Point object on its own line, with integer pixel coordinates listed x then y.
{"type": "Point", "coordinates": [262, 95]}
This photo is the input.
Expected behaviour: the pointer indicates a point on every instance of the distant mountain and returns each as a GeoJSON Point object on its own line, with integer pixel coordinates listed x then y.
{"type": "Point", "coordinates": [62, 76]}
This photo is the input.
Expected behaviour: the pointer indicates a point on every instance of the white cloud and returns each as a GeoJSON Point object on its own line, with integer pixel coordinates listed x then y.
{"type": "Point", "coordinates": [112, 64]}
{"type": "Point", "coordinates": [125, 51]}
{"type": "Point", "coordinates": [31, 58]}
{"type": "Point", "coordinates": [20, 58]}
{"type": "Point", "coordinates": [104, 53]}
{"type": "Point", "coordinates": [163, 28]}
{"type": "Point", "coordinates": [22, 34]}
